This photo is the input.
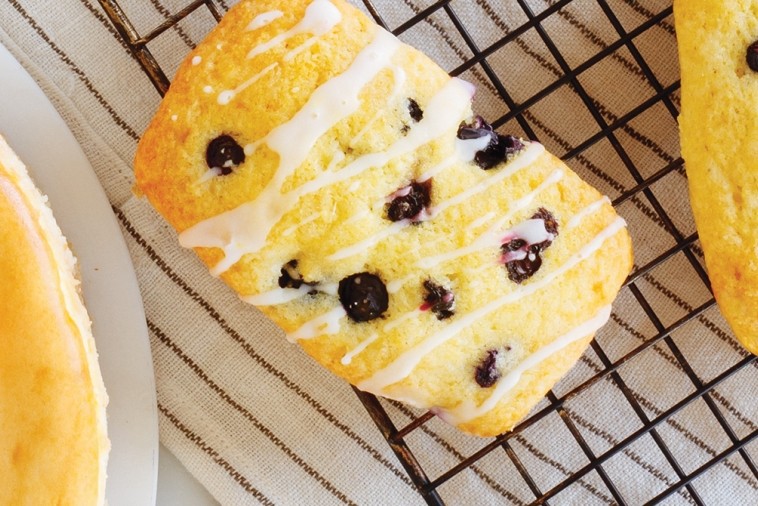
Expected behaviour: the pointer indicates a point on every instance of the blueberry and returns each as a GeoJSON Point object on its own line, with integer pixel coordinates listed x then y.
{"type": "Point", "coordinates": [521, 269]}
{"type": "Point", "coordinates": [476, 129]}
{"type": "Point", "coordinates": [410, 201]}
{"type": "Point", "coordinates": [225, 154]}
{"type": "Point", "coordinates": [500, 148]}
{"type": "Point", "coordinates": [415, 111]}
{"type": "Point", "coordinates": [551, 224]}
{"type": "Point", "coordinates": [439, 299]}
{"type": "Point", "coordinates": [364, 296]}
{"type": "Point", "coordinates": [487, 373]}
{"type": "Point", "coordinates": [290, 276]}
{"type": "Point", "coordinates": [752, 56]}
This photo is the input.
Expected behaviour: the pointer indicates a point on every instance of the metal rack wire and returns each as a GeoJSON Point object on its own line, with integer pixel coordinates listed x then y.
{"type": "Point", "coordinates": [642, 186]}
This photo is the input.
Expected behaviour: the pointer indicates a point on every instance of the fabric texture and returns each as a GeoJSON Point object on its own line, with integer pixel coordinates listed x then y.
{"type": "Point", "coordinates": [256, 421]}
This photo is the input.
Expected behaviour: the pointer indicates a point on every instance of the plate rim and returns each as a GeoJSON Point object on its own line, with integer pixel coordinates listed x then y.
{"type": "Point", "coordinates": [92, 229]}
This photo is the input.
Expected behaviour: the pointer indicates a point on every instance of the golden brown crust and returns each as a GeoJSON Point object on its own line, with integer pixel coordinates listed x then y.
{"type": "Point", "coordinates": [718, 123]}
{"type": "Point", "coordinates": [342, 228]}
{"type": "Point", "coordinates": [53, 445]}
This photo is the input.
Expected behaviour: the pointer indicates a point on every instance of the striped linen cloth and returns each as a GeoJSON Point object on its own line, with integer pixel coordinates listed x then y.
{"type": "Point", "coordinates": [256, 421]}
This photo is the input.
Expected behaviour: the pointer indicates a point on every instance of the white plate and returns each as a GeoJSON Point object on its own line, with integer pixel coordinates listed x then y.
{"type": "Point", "coordinates": [42, 140]}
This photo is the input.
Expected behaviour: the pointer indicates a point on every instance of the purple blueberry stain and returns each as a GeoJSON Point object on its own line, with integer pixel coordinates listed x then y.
{"type": "Point", "coordinates": [410, 202]}
{"type": "Point", "coordinates": [487, 372]}
{"type": "Point", "coordinates": [438, 299]}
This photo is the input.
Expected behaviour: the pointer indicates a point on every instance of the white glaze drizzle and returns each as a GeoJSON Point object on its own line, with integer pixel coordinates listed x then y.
{"type": "Point", "coordinates": [277, 296]}
{"type": "Point", "coordinates": [308, 219]}
{"type": "Point", "coordinates": [244, 229]}
{"type": "Point", "coordinates": [369, 241]}
{"type": "Point", "coordinates": [525, 158]}
{"type": "Point", "coordinates": [264, 19]}
{"type": "Point", "coordinates": [348, 357]}
{"type": "Point", "coordinates": [227, 96]}
{"type": "Point", "coordinates": [328, 288]}
{"type": "Point", "coordinates": [317, 14]}
{"type": "Point", "coordinates": [407, 361]}
{"type": "Point", "coordinates": [354, 186]}
{"type": "Point", "coordinates": [467, 411]}
{"type": "Point", "coordinates": [492, 237]}
{"type": "Point", "coordinates": [399, 78]}
{"type": "Point", "coordinates": [320, 17]}
{"type": "Point", "coordinates": [532, 231]}
{"type": "Point", "coordinates": [464, 152]}
{"type": "Point", "coordinates": [395, 285]}
{"type": "Point", "coordinates": [586, 211]}
{"type": "Point", "coordinates": [327, 323]}
{"type": "Point", "coordinates": [468, 148]}
{"type": "Point", "coordinates": [480, 221]}
{"type": "Point", "coordinates": [443, 113]}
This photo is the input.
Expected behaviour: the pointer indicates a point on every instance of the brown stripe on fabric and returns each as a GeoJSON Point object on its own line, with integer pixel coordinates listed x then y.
{"type": "Point", "coordinates": [632, 67]}
{"type": "Point", "coordinates": [178, 29]}
{"type": "Point", "coordinates": [313, 473]}
{"type": "Point", "coordinates": [698, 442]}
{"type": "Point", "coordinates": [107, 25]}
{"type": "Point", "coordinates": [558, 73]}
{"type": "Point", "coordinates": [728, 406]}
{"type": "Point", "coordinates": [643, 401]}
{"type": "Point", "coordinates": [597, 171]}
{"type": "Point", "coordinates": [634, 4]}
{"type": "Point", "coordinates": [76, 70]}
{"type": "Point", "coordinates": [153, 255]}
{"type": "Point", "coordinates": [487, 8]}
{"type": "Point", "coordinates": [613, 441]}
{"type": "Point", "coordinates": [485, 477]}
{"type": "Point", "coordinates": [633, 133]}
{"type": "Point", "coordinates": [583, 29]}
{"type": "Point", "coordinates": [676, 99]}
{"type": "Point", "coordinates": [710, 325]}
{"type": "Point", "coordinates": [537, 453]}
{"type": "Point", "coordinates": [217, 458]}
{"type": "Point", "coordinates": [450, 449]}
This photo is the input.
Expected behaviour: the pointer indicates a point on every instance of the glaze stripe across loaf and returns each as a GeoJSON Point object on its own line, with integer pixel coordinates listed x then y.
{"type": "Point", "coordinates": [338, 180]}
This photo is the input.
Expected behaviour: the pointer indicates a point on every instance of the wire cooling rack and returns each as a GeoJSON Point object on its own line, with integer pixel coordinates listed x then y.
{"type": "Point", "coordinates": [644, 184]}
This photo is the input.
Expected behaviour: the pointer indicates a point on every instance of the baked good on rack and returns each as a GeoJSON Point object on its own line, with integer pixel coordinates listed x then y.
{"type": "Point", "coordinates": [53, 442]}
{"type": "Point", "coordinates": [718, 54]}
{"type": "Point", "coordinates": [338, 180]}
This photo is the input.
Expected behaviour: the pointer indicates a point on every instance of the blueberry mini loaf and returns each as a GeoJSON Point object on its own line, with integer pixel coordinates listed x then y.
{"type": "Point", "coordinates": [718, 54]}
{"type": "Point", "coordinates": [338, 180]}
